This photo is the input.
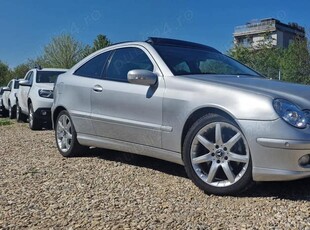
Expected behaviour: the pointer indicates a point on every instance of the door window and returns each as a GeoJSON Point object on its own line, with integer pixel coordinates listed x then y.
{"type": "Point", "coordinates": [126, 59]}
{"type": "Point", "coordinates": [94, 67]}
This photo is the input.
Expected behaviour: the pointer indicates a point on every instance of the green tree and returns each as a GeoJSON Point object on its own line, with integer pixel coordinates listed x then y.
{"type": "Point", "coordinates": [296, 62]}
{"type": "Point", "coordinates": [62, 52]}
{"type": "Point", "coordinates": [100, 42]}
{"type": "Point", "coordinates": [5, 73]}
{"type": "Point", "coordinates": [263, 57]}
{"type": "Point", "coordinates": [20, 70]}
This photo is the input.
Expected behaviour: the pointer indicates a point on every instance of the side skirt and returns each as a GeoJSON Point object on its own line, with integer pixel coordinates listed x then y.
{"type": "Point", "coordinates": [101, 142]}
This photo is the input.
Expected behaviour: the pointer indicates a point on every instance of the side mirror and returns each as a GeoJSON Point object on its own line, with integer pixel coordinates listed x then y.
{"type": "Point", "coordinates": [24, 83]}
{"type": "Point", "coordinates": [142, 77]}
{"type": "Point", "coordinates": [6, 89]}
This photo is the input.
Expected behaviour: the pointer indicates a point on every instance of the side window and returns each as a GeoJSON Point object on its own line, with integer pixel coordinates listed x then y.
{"type": "Point", "coordinates": [10, 85]}
{"type": "Point", "coordinates": [16, 84]}
{"type": "Point", "coordinates": [94, 67]}
{"type": "Point", "coordinates": [30, 79]}
{"type": "Point", "coordinates": [126, 59]}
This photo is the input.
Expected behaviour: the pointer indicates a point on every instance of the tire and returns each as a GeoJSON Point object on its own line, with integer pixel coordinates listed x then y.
{"type": "Point", "coordinates": [217, 157]}
{"type": "Point", "coordinates": [20, 117]}
{"type": "Point", "coordinates": [12, 111]}
{"type": "Point", "coordinates": [66, 137]}
{"type": "Point", "coordinates": [34, 123]}
{"type": "Point", "coordinates": [5, 113]}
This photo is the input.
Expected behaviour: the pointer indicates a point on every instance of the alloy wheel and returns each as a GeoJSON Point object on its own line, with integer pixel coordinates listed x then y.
{"type": "Point", "coordinates": [64, 133]}
{"type": "Point", "coordinates": [219, 154]}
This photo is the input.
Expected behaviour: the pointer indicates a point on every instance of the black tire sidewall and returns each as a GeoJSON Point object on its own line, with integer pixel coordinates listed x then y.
{"type": "Point", "coordinates": [241, 185]}
{"type": "Point", "coordinates": [36, 125]}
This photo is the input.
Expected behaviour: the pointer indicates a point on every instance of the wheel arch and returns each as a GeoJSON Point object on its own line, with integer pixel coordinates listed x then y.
{"type": "Point", "coordinates": [200, 112]}
{"type": "Point", "coordinates": [56, 113]}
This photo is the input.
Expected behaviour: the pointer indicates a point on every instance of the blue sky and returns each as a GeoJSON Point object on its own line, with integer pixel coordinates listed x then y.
{"type": "Point", "coordinates": [27, 26]}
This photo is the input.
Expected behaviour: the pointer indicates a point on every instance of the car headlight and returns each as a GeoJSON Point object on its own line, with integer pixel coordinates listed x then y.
{"type": "Point", "coordinates": [46, 93]}
{"type": "Point", "coordinates": [290, 113]}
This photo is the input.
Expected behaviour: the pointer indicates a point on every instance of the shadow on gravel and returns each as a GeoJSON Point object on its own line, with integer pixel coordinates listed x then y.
{"type": "Point", "coordinates": [290, 190]}
{"type": "Point", "coordinates": [140, 161]}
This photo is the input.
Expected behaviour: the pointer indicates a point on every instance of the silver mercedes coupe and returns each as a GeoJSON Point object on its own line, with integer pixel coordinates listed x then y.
{"type": "Point", "coordinates": [186, 103]}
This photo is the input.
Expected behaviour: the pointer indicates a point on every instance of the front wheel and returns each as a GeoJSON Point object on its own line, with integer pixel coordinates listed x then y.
{"type": "Point", "coordinates": [12, 112]}
{"type": "Point", "coordinates": [34, 122]}
{"type": "Point", "coordinates": [217, 156]}
{"type": "Point", "coordinates": [66, 138]}
{"type": "Point", "coordinates": [20, 117]}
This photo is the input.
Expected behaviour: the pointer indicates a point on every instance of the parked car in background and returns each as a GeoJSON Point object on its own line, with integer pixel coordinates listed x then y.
{"type": "Point", "coordinates": [35, 96]}
{"type": "Point", "coordinates": [186, 103]}
{"type": "Point", "coordinates": [9, 98]}
{"type": "Point", "coordinates": [1, 102]}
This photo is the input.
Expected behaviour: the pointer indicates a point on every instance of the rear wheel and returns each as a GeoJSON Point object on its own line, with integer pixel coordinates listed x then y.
{"type": "Point", "coordinates": [217, 156]}
{"type": "Point", "coordinates": [12, 112]}
{"type": "Point", "coordinates": [34, 123]}
{"type": "Point", "coordinates": [66, 137]}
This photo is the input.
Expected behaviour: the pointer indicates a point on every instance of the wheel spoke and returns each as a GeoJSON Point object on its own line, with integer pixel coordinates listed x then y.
{"type": "Point", "coordinates": [64, 121]}
{"type": "Point", "coordinates": [60, 135]}
{"type": "Point", "coordinates": [201, 159]}
{"type": "Point", "coordinates": [63, 143]}
{"type": "Point", "coordinates": [229, 144]}
{"type": "Point", "coordinates": [60, 126]}
{"type": "Point", "coordinates": [218, 134]}
{"type": "Point", "coordinates": [69, 136]}
{"type": "Point", "coordinates": [207, 144]}
{"type": "Point", "coordinates": [68, 127]}
{"type": "Point", "coordinates": [67, 144]}
{"type": "Point", "coordinates": [228, 172]}
{"type": "Point", "coordinates": [238, 158]}
{"type": "Point", "coordinates": [212, 172]}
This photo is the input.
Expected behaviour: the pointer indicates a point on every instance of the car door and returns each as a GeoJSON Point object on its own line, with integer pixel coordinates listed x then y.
{"type": "Point", "coordinates": [125, 111]}
{"type": "Point", "coordinates": [6, 95]}
{"type": "Point", "coordinates": [23, 92]}
{"type": "Point", "coordinates": [78, 92]}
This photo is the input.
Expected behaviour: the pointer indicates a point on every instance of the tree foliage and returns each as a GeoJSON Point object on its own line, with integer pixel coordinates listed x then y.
{"type": "Point", "coordinates": [292, 63]}
{"type": "Point", "coordinates": [100, 42]}
{"type": "Point", "coordinates": [62, 52]}
{"type": "Point", "coordinates": [295, 64]}
{"type": "Point", "coordinates": [20, 70]}
{"type": "Point", "coordinates": [4, 73]}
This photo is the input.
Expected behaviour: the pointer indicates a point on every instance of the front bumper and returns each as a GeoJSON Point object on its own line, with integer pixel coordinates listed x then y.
{"type": "Point", "coordinates": [276, 148]}
{"type": "Point", "coordinates": [43, 114]}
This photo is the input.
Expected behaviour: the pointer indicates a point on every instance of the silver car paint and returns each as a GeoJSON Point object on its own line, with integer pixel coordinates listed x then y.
{"type": "Point", "coordinates": [116, 122]}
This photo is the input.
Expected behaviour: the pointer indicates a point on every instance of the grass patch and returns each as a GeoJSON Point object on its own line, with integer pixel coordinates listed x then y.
{"type": "Point", "coordinates": [4, 121]}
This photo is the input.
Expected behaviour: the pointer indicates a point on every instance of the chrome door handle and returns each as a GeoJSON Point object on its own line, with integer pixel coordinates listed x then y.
{"type": "Point", "coordinates": [97, 88]}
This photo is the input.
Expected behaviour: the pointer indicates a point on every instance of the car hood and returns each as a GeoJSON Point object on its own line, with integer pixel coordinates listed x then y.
{"type": "Point", "coordinates": [297, 93]}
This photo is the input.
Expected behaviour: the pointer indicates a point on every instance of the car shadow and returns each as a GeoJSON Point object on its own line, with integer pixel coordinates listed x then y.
{"type": "Point", "coordinates": [290, 190]}
{"type": "Point", "coordinates": [139, 160]}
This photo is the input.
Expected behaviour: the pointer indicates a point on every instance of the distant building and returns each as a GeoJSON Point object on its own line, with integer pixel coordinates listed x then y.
{"type": "Point", "coordinates": [267, 30]}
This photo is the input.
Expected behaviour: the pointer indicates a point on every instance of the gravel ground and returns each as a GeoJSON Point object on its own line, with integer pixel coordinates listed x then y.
{"type": "Point", "coordinates": [40, 189]}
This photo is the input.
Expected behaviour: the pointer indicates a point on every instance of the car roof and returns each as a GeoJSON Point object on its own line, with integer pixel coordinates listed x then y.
{"type": "Point", "coordinates": [51, 69]}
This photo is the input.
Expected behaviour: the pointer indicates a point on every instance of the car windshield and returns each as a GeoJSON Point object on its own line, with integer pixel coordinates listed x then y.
{"type": "Point", "coordinates": [189, 61]}
{"type": "Point", "coordinates": [47, 76]}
